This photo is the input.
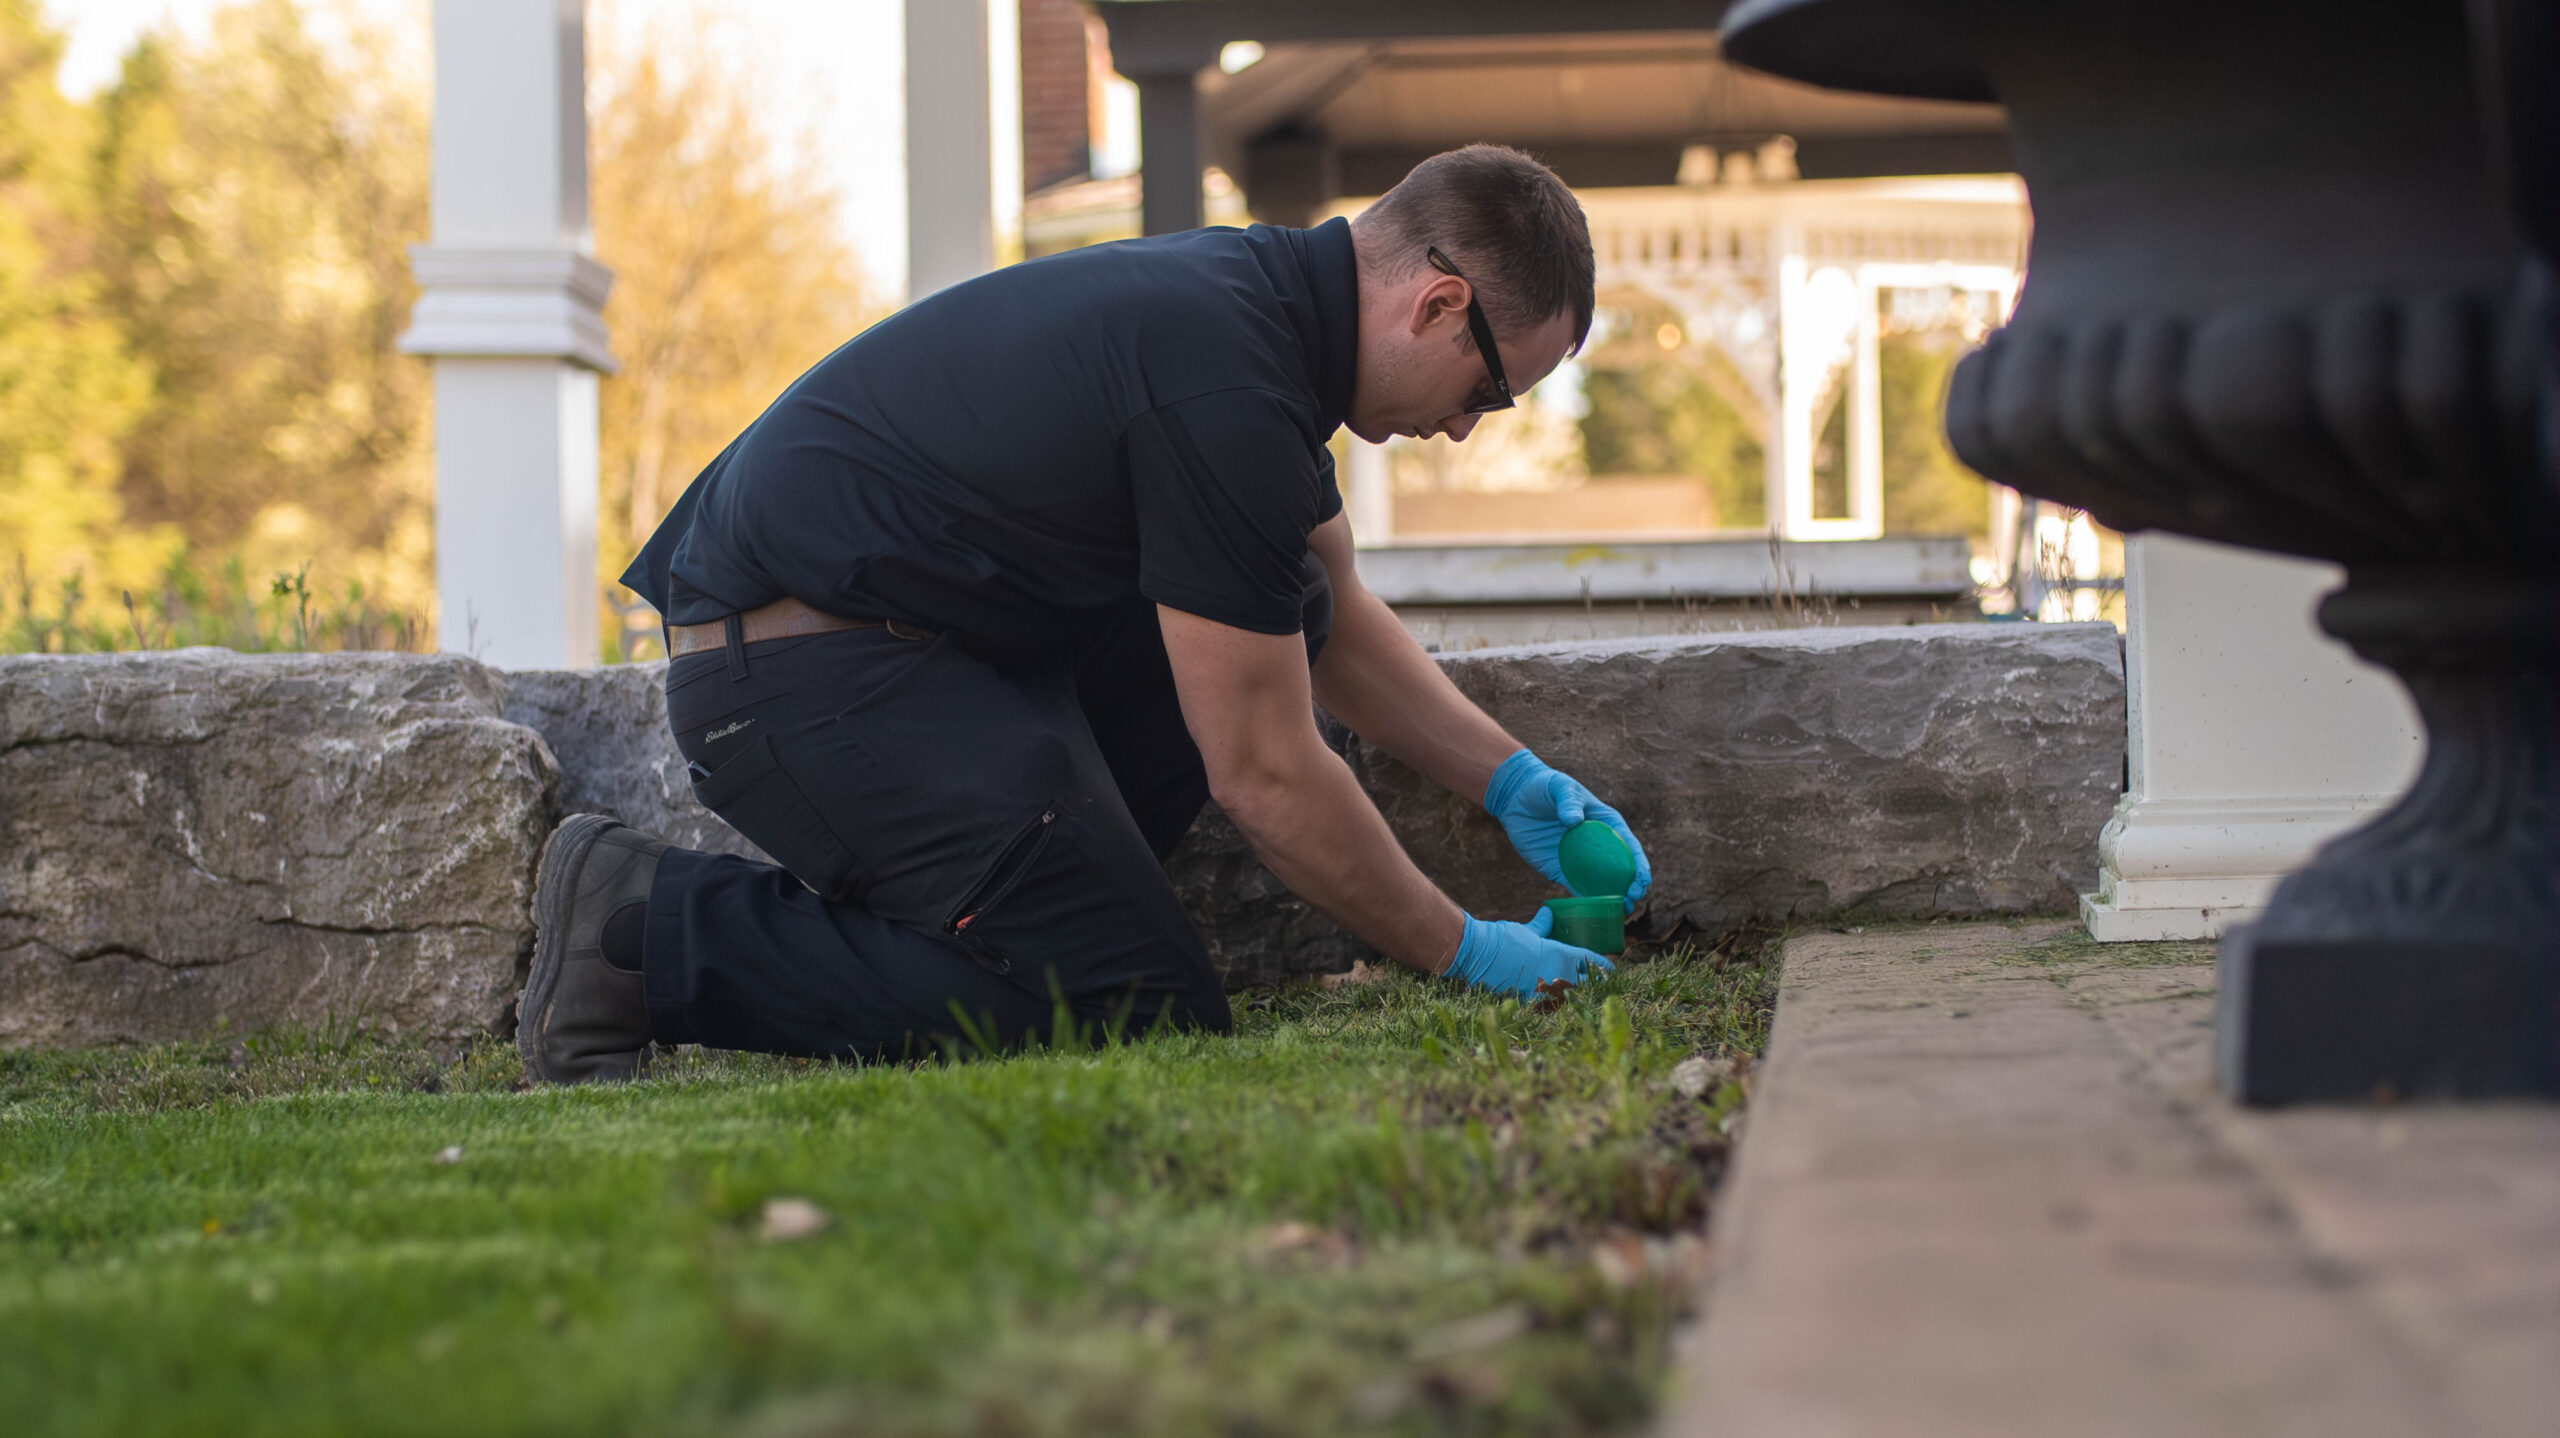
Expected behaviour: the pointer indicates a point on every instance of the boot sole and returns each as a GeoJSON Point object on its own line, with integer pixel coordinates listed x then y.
{"type": "Point", "coordinates": [555, 887]}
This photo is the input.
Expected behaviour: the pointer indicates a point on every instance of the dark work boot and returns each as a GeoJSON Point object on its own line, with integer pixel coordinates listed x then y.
{"type": "Point", "coordinates": [584, 1019]}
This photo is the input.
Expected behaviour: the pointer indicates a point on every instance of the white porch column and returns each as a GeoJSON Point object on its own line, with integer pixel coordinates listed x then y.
{"type": "Point", "coordinates": [1368, 492]}
{"type": "Point", "coordinates": [1818, 309]}
{"type": "Point", "coordinates": [1790, 445]}
{"type": "Point", "coordinates": [1864, 463]}
{"type": "Point", "coordinates": [510, 308]}
{"type": "Point", "coordinates": [964, 140]}
{"type": "Point", "coordinates": [2253, 739]}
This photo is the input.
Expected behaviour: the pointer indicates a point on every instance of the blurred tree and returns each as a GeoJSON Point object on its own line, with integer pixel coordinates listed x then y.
{"type": "Point", "coordinates": [731, 272]}
{"type": "Point", "coordinates": [1927, 490]}
{"type": "Point", "coordinates": [251, 197]}
{"type": "Point", "coordinates": [1659, 415]}
{"type": "Point", "coordinates": [255, 196]}
{"type": "Point", "coordinates": [1660, 403]}
{"type": "Point", "coordinates": [69, 389]}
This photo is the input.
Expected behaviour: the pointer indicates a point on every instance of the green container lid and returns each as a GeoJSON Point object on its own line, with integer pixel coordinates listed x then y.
{"type": "Point", "coordinates": [1596, 861]}
{"type": "Point", "coordinates": [1597, 923]}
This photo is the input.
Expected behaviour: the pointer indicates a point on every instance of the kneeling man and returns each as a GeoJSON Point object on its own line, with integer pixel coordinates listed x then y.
{"type": "Point", "coordinates": [970, 623]}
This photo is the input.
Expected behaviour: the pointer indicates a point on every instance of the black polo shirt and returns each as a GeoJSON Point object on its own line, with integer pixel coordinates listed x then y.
{"type": "Point", "coordinates": [1011, 456]}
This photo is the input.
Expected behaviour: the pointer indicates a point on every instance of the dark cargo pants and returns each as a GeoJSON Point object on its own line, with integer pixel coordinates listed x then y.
{"type": "Point", "coordinates": [956, 839]}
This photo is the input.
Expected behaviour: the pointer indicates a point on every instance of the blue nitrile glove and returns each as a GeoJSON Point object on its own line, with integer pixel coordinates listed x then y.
{"type": "Point", "coordinates": [1512, 958]}
{"type": "Point", "coordinates": [1537, 804]}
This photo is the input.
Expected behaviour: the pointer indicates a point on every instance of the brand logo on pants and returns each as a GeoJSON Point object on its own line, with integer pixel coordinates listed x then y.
{"type": "Point", "coordinates": [718, 734]}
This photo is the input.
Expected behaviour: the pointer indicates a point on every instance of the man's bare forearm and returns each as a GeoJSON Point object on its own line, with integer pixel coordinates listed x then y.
{"type": "Point", "coordinates": [1308, 820]}
{"type": "Point", "coordinates": [1246, 699]}
{"type": "Point", "coordinates": [1375, 678]}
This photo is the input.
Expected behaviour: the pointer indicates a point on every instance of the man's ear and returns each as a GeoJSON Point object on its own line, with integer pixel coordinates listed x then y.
{"type": "Point", "coordinates": [1443, 297]}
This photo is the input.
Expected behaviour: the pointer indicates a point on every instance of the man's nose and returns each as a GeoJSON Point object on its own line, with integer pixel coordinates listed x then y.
{"type": "Point", "coordinates": [1459, 428]}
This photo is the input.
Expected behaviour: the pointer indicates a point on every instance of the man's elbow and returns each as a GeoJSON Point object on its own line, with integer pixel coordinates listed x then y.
{"type": "Point", "coordinates": [1254, 785]}
{"type": "Point", "coordinates": [1247, 792]}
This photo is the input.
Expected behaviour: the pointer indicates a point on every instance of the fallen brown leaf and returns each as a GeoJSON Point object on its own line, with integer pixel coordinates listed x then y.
{"type": "Point", "coordinates": [1551, 995]}
{"type": "Point", "coordinates": [1620, 1260]}
{"type": "Point", "coordinates": [790, 1219]}
{"type": "Point", "coordinates": [1327, 1247]}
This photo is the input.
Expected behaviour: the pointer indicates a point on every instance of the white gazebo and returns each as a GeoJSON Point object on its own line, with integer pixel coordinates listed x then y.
{"type": "Point", "coordinates": [1789, 279]}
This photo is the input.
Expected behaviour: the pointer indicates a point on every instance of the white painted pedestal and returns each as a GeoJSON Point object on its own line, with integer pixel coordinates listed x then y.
{"type": "Point", "coordinates": [2254, 738]}
{"type": "Point", "coordinates": [510, 307]}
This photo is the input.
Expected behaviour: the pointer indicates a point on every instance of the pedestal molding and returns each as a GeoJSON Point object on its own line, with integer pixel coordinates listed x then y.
{"type": "Point", "coordinates": [2202, 838]}
{"type": "Point", "coordinates": [2189, 868]}
{"type": "Point", "coordinates": [477, 302]}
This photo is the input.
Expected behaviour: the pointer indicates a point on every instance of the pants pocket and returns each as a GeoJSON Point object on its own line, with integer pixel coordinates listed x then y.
{"type": "Point", "coordinates": [761, 800]}
{"type": "Point", "coordinates": [983, 897]}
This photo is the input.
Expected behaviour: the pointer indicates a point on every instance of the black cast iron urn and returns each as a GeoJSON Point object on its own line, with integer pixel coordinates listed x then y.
{"type": "Point", "coordinates": [2292, 288]}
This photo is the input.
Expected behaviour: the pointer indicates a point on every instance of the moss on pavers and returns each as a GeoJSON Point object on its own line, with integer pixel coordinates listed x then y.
{"type": "Point", "coordinates": [2074, 948]}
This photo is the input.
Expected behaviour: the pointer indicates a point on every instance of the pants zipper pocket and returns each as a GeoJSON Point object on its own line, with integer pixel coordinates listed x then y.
{"type": "Point", "coordinates": [1020, 853]}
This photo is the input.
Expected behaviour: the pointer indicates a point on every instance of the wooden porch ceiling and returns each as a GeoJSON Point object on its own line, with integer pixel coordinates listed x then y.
{"type": "Point", "coordinates": [1349, 94]}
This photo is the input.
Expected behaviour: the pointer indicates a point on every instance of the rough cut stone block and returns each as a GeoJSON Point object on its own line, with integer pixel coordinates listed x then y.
{"type": "Point", "coordinates": [609, 728]}
{"type": "Point", "coordinates": [202, 841]}
{"type": "Point", "coordinates": [1919, 770]}
{"type": "Point", "coordinates": [1936, 769]}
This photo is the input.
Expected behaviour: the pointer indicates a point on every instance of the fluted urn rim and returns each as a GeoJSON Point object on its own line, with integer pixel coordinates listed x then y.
{"type": "Point", "coordinates": [1883, 47]}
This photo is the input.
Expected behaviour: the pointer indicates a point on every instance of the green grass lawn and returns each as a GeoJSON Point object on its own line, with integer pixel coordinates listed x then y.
{"type": "Point", "coordinates": [1389, 1206]}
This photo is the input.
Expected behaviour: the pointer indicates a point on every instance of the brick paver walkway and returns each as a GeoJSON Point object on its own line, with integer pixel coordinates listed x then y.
{"type": "Point", "coordinates": [1987, 1189]}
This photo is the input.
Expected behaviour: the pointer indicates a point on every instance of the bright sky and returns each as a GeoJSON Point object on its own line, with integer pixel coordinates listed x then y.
{"type": "Point", "coordinates": [830, 69]}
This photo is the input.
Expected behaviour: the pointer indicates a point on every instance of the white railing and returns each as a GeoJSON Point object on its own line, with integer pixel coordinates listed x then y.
{"type": "Point", "coordinates": [1786, 278]}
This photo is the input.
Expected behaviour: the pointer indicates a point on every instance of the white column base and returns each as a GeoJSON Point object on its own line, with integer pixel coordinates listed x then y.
{"type": "Point", "coordinates": [2253, 739]}
{"type": "Point", "coordinates": [2188, 869]}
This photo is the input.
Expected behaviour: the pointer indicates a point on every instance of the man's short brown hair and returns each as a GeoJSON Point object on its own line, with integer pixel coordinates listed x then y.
{"type": "Point", "coordinates": [1503, 218]}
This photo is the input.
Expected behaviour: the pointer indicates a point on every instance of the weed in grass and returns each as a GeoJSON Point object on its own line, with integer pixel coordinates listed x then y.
{"type": "Point", "coordinates": [1390, 1206]}
{"type": "Point", "coordinates": [196, 602]}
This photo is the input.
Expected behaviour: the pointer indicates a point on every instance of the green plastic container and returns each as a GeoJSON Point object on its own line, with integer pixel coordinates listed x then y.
{"type": "Point", "coordinates": [1595, 860]}
{"type": "Point", "coordinates": [1597, 923]}
{"type": "Point", "coordinates": [1598, 868]}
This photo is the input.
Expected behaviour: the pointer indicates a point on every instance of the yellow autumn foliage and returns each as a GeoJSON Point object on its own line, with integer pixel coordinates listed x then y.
{"type": "Point", "coordinates": [204, 273]}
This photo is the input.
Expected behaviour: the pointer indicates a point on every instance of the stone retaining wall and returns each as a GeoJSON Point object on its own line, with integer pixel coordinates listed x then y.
{"type": "Point", "coordinates": [203, 841]}
{"type": "Point", "coordinates": [200, 838]}
{"type": "Point", "coordinates": [1911, 771]}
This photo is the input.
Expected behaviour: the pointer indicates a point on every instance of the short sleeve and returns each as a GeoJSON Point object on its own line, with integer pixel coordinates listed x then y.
{"type": "Point", "coordinates": [1328, 487]}
{"type": "Point", "coordinates": [1226, 487]}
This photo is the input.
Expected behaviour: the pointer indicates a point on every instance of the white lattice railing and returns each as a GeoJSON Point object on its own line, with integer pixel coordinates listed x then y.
{"type": "Point", "coordinates": [1784, 279]}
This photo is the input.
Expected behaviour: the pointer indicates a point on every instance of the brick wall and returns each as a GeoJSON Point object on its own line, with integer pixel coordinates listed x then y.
{"type": "Point", "coordinates": [1055, 99]}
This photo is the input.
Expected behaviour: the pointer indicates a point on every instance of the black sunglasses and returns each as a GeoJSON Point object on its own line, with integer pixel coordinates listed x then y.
{"type": "Point", "coordinates": [1478, 403]}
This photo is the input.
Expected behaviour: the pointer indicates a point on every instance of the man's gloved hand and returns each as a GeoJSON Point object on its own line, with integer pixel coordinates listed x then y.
{"type": "Point", "coordinates": [1537, 804]}
{"type": "Point", "coordinates": [1513, 958]}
